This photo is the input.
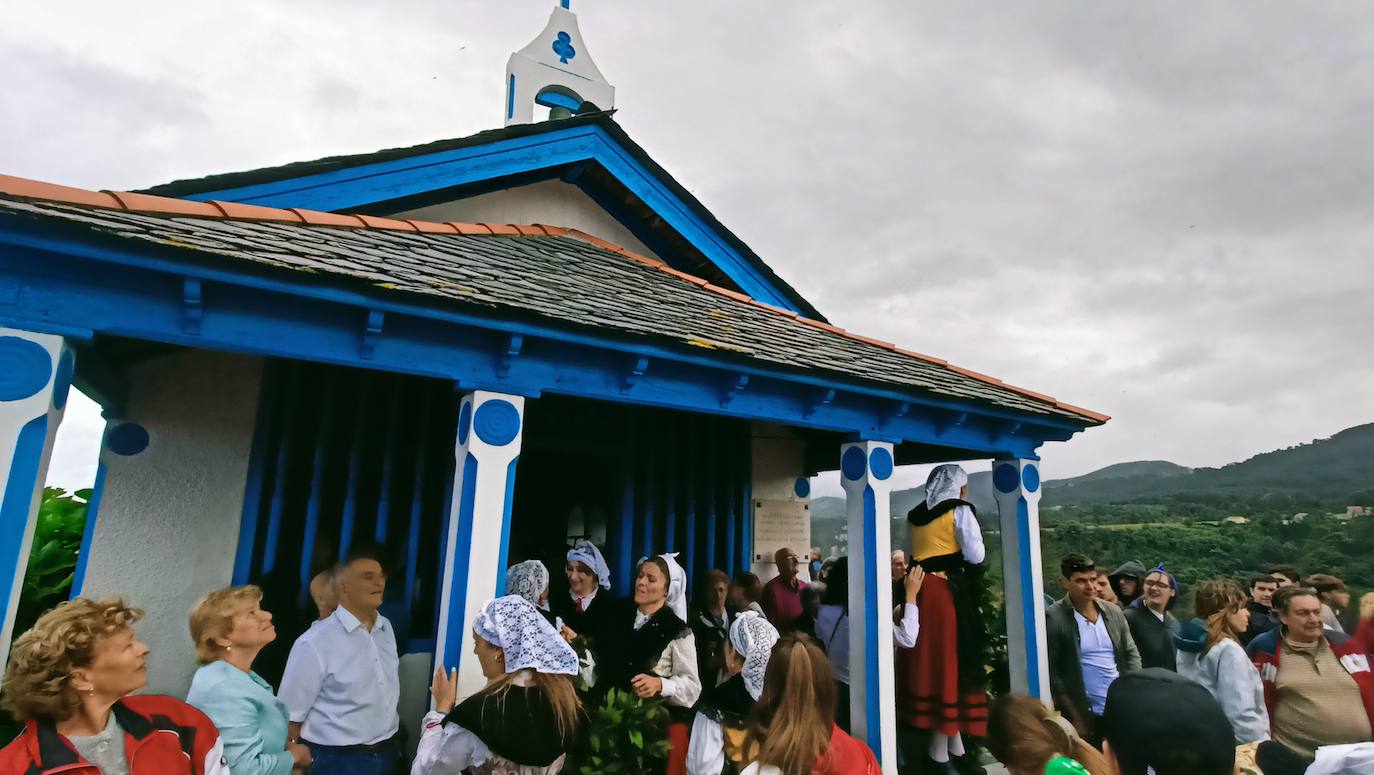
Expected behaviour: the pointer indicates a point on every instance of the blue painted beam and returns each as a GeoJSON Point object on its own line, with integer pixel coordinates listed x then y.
{"type": "Point", "coordinates": [625, 531]}
{"type": "Point", "coordinates": [388, 462]}
{"type": "Point", "coordinates": [277, 505]}
{"type": "Point", "coordinates": [324, 436]}
{"type": "Point", "coordinates": [258, 461]}
{"type": "Point", "coordinates": [416, 511]}
{"type": "Point", "coordinates": [62, 293]}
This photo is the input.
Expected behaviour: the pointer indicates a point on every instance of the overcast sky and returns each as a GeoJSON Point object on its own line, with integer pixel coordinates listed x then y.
{"type": "Point", "coordinates": [1156, 210]}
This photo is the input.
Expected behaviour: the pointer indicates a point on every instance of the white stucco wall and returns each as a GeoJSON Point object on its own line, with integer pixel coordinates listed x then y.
{"type": "Point", "coordinates": [168, 520]}
{"type": "Point", "coordinates": [551, 202]}
{"type": "Point", "coordinates": [779, 458]}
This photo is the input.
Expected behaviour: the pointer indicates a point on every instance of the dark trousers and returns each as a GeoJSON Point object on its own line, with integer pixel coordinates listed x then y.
{"type": "Point", "coordinates": [352, 760]}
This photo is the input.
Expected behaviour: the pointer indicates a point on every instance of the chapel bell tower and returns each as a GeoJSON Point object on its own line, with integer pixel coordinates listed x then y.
{"type": "Point", "coordinates": [556, 72]}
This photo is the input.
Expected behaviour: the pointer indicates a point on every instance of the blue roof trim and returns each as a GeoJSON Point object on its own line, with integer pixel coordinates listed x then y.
{"type": "Point", "coordinates": [366, 184]}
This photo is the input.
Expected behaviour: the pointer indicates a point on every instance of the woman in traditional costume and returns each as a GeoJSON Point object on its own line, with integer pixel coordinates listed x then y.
{"type": "Point", "coordinates": [721, 722]}
{"type": "Point", "coordinates": [527, 717]}
{"type": "Point", "coordinates": [941, 687]}
{"type": "Point", "coordinates": [648, 649]}
{"type": "Point", "coordinates": [588, 607]}
{"type": "Point", "coordinates": [530, 580]}
{"type": "Point", "coordinates": [792, 728]}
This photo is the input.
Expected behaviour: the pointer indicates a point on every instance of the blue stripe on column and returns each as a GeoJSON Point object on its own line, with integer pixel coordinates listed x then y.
{"type": "Point", "coordinates": [252, 491]}
{"type": "Point", "coordinates": [14, 509]}
{"type": "Point", "coordinates": [625, 532]}
{"type": "Point", "coordinates": [88, 535]}
{"type": "Point", "coordinates": [417, 501]}
{"type": "Point", "coordinates": [504, 558]}
{"type": "Point", "coordinates": [355, 463]}
{"type": "Point", "coordinates": [648, 510]}
{"type": "Point", "coordinates": [388, 462]}
{"type": "Point", "coordinates": [323, 437]}
{"type": "Point", "coordinates": [872, 649]}
{"type": "Point", "coordinates": [709, 547]}
{"type": "Point", "coordinates": [462, 564]}
{"type": "Point", "coordinates": [274, 514]}
{"type": "Point", "coordinates": [1028, 598]}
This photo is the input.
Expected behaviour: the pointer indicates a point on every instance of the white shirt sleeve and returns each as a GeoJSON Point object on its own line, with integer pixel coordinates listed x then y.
{"type": "Point", "coordinates": [447, 748]}
{"type": "Point", "coordinates": [302, 680]}
{"type": "Point", "coordinates": [683, 687]}
{"type": "Point", "coordinates": [905, 633]}
{"type": "Point", "coordinates": [706, 753]}
{"type": "Point", "coordinates": [970, 535]}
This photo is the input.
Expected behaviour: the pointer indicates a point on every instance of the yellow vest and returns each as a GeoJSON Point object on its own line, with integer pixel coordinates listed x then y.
{"type": "Point", "coordinates": [935, 538]}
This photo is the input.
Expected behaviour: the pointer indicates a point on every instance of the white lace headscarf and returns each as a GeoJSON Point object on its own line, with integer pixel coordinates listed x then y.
{"type": "Point", "coordinates": [528, 579]}
{"type": "Point", "coordinates": [945, 483]}
{"type": "Point", "coordinates": [753, 638]}
{"type": "Point", "coordinates": [677, 586]}
{"type": "Point", "coordinates": [585, 552]}
{"type": "Point", "coordinates": [515, 626]}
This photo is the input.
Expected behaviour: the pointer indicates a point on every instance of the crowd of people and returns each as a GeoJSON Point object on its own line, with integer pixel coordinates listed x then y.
{"type": "Point", "coordinates": [1266, 681]}
{"type": "Point", "coordinates": [754, 678]}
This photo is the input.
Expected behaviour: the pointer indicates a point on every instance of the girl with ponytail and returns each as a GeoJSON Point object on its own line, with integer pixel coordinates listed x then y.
{"type": "Point", "coordinates": [792, 728]}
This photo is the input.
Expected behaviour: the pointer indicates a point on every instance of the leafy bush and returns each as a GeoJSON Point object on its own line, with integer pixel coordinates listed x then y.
{"type": "Point", "coordinates": [626, 734]}
{"type": "Point", "coordinates": [52, 560]}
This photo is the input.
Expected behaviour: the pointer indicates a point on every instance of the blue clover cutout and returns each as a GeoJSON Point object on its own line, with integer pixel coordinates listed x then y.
{"type": "Point", "coordinates": [563, 47]}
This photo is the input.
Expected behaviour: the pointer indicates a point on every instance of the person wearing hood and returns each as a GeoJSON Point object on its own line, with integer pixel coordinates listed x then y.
{"type": "Point", "coordinates": [1152, 626]}
{"type": "Point", "coordinates": [1210, 653]}
{"type": "Point", "coordinates": [722, 716]}
{"type": "Point", "coordinates": [648, 649]}
{"type": "Point", "coordinates": [1125, 581]}
{"type": "Point", "coordinates": [587, 608]}
{"type": "Point", "coordinates": [525, 719]}
{"type": "Point", "coordinates": [941, 682]}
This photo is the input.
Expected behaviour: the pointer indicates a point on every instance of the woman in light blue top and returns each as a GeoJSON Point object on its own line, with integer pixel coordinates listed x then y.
{"type": "Point", "coordinates": [229, 628]}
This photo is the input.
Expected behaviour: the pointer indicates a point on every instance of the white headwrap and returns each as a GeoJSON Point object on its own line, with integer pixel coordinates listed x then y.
{"type": "Point", "coordinates": [585, 552]}
{"type": "Point", "coordinates": [677, 586]}
{"type": "Point", "coordinates": [515, 626]}
{"type": "Point", "coordinates": [753, 638]}
{"type": "Point", "coordinates": [944, 484]}
{"type": "Point", "coordinates": [528, 579]}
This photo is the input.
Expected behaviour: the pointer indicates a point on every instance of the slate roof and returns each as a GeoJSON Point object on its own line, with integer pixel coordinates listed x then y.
{"type": "Point", "coordinates": [557, 274]}
{"type": "Point", "coordinates": [603, 120]}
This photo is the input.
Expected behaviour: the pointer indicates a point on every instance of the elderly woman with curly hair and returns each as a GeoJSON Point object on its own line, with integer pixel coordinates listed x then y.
{"type": "Point", "coordinates": [229, 628]}
{"type": "Point", "coordinates": [70, 681]}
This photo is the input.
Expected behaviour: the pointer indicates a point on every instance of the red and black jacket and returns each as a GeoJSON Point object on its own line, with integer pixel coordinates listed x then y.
{"type": "Point", "coordinates": [1265, 650]}
{"type": "Point", "coordinates": [162, 736]}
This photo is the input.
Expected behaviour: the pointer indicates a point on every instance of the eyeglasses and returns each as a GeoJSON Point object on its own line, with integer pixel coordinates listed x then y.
{"type": "Point", "coordinates": [1158, 584]}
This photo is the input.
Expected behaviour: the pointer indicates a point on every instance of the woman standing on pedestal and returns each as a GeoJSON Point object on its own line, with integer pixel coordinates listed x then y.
{"type": "Point", "coordinates": [940, 683]}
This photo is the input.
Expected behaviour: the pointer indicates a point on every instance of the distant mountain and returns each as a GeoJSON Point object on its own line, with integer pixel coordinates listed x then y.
{"type": "Point", "coordinates": [1335, 469]}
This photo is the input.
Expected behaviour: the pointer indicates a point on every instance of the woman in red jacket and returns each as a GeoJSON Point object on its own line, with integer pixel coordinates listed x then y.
{"type": "Point", "coordinates": [70, 679]}
{"type": "Point", "coordinates": [792, 729]}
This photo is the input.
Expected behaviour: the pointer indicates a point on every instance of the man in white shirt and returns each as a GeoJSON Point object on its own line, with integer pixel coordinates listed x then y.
{"type": "Point", "coordinates": [342, 685]}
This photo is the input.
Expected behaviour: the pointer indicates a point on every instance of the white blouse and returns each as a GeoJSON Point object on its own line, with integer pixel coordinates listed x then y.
{"type": "Point", "coordinates": [678, 663]}
{"type": "Point", "coordinates": [449, 749]}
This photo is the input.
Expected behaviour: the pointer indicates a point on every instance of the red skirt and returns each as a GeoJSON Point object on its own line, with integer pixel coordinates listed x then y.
{"type": "Point", "coordinates": [677, 756]}
{"type": "Point", "coordinates": [928, 692]}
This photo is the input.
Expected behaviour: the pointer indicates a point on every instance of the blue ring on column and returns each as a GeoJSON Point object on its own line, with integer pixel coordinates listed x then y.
{"type": "Point", "coordinates": [1030, 477]}
{"type": "Point", "coordinates": [497, 422]}
{"type": "Point", "coordinates": [854, 464]}
{"type": "Point", "coordinates": [25, 368]}
{"type": "Point", "coordinates": [880, 461]}
{"type": "Point", "coordinates": [1005, 477]}
{"type": "Point", "coordinates": [127, 439]}
{"type": "Point", "coordinates": [802, 487]}
{"type": "Point", "coordinates": [464, 422]}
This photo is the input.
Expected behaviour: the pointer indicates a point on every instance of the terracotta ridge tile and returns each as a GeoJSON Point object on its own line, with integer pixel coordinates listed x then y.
{"type": "Point", "coordinates": [923, 357]}
{"type": "Point", "coordinates": [503, 229]}
{"type": "Point", "coordinates": [25, 188]}
{"type": "Point", "coordinates": [470, 228]}
{"type": "Point", "coordinates": [146, 203]}
{"type": "Point", "coordinates": [433, 227]}
{"type": "Point", "coordinates": [691, 278]}
{"type": "Point", "coordinates": [378, 222]}
{"type": "Point", "coordinates": [823, 326]}
{"type": "Point", "coordinates": [1084, 412]}
{"type": "Point", "coordinates": [321, 218]}
{"type": "Point", "coordinates": [874, 342]}
{"type": "Point", "coordinates": [727, 292]}
{"type": "Point", "coordinates": [789, 313]}
{"type": "Point", "coordinates": [531, 230]}
{"type": "Point", "coordinates": [247, 212]}
{"type": "Point", "coordinates": [554, 231]}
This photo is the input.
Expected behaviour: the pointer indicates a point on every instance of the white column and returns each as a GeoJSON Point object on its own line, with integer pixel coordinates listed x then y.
{"type": "Point", "coordinates": [1016, 483]}
{"type": "Point", "coordinates": [866, 473]}
{"type": "Point", "coordinates": [35, 376]}
{"type": "Point", "coordinates": [478, 541]}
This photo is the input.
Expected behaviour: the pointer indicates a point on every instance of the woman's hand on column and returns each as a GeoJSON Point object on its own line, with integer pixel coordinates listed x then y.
{"type": "Point", "coordinates": [911, 583]}
{"type": "Point", "coordinates": [444, 689]}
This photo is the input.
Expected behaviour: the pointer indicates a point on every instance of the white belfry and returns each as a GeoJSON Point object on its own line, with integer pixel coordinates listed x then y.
{"type": "Point", "coordinates": [556, 71]}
